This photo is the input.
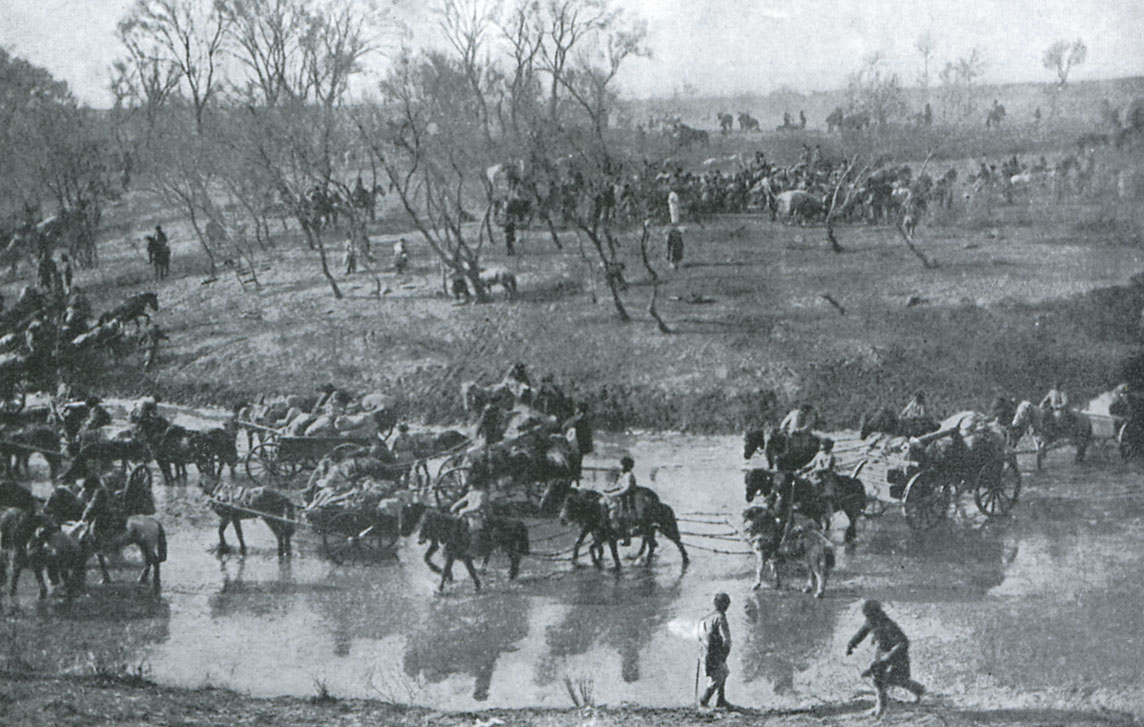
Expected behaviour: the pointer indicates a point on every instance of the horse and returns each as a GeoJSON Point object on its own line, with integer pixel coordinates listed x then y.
{"type": "Point", "coordinates": [476, 397]}
{"type": "Point", "coordinates": [589, 510]}
{"type": "Point", "coordinates": [887, 421]}
{"type": "Point", "coordinates": [60, 543]}
{"type": "Point", "coordinates": [499, 533]}
{"type": "Point", "coordinates": [233, 504]}
{"type": "Point", "coordinates": [1048, 428]}
{"type": "Point", "coordinates": [213, 449]}
{"type": "Point", "coordinates": [17, 526]}
{"type": "Point", "coordinates": [132, 310]}
{"type": "Point", "coordinates": [13, 495]}
{"type": "Point", "coordinates": [789, 492]}
{"type": "Point", "coordinates": [771, 541]}
{"type": "Point", "coordinates": [502, 277]}
{"type": "Point", "coordinates": [783, 451]}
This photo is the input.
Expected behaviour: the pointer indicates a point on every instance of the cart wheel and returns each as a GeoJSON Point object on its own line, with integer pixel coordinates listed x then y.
{"type": "Point", "coordinates": [450, 485]}
{"type": "Point", "coordinates": [996, 491]}
{"type": "Point", "coordinates": [346, 542]}
{"type": "Point", "coordinates": [262, 464]}
{"type": "Point", "coordinates": [13, 402]}
{"type": "Point", "coordinates": [1128, 441]}
{"type": "Point", "coordinates": [926, 501]}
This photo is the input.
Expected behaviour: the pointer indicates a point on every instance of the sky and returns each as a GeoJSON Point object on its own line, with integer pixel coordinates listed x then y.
{"type": "Point", "coordinates": [719, 47]}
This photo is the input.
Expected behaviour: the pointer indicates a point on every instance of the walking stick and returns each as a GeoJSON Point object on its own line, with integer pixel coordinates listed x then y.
{"type": "Point", "coordinates": [697, 661]}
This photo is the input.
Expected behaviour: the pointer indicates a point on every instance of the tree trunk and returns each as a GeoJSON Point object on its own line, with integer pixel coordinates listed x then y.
{"type": "Point", "coordinates": [315, 241]}
{"type": "Point", "coordinates": [926, 262]}
{"type": "Point", "coordinates": [619, 303]}
{"type": "Point", "coordinates": [663, 328]}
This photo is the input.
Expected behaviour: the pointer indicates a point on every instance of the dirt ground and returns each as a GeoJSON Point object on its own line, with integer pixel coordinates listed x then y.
{"type": "Point", "coordinates": [30, 701]}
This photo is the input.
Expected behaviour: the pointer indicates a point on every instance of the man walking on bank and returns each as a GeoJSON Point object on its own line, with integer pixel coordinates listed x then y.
{"type": "Point", "coordinates": [891, 665]}
{"type": "Point", "coordinates": [715, 646]}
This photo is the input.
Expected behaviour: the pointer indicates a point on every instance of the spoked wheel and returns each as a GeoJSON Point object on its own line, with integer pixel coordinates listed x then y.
{"type": "Point", "coordinates": [346, 542]}
{"type": "Point", "coordinates": [996, 489]}
{"type": "Point", "coordinates": [450, 485]}
{"type": "Point", "coordinates": [1129, 440]}
{"type": "Point", "coordinates": [262, 465]}
{"type": "Point", "coordinates": [926, 502]}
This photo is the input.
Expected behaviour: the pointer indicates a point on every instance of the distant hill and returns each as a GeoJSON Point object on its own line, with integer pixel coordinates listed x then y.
{"type": "Point", "coordinates": [1079, 104]}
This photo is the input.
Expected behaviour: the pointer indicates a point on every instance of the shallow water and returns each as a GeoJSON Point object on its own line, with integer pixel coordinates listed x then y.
{"type": "Point", "coordinates": [1040, 609]}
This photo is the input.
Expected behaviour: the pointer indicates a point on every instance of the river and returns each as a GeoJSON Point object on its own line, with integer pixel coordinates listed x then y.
{"type": "Point", "coordinates": [1039, 609]}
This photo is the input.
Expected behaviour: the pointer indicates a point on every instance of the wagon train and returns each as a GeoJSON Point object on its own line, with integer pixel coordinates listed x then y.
{"type": "Point", "coordinates": [969, 453]}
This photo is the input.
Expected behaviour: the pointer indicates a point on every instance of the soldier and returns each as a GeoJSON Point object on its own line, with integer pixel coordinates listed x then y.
{"type": "Point", "coordinates": [715, 646]}
{"type": "Point", "coordinates": [621, 500]}
{"type": "Point", "coordinates": [891, 665]}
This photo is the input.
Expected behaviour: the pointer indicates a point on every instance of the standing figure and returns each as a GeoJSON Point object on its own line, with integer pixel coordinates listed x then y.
{"type": "Point", "coordinates": [673, 206]}
{"type": "Point", "coordinates": [400, 256]}
{"type": "Point", "coordinates": [65, 263]}
{"type": "Point", "coordinates": [674, 247]}
{"type": "Point", "coordinates": [714, 647]}
{"type": "Point", "coordinates": [891, 665]}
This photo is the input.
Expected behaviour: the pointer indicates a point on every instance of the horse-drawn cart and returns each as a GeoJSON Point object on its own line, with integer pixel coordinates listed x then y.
{"type": "Point", "coordinates": [926, 474]}
{"type": "Point", "coordinates": [279, 459]}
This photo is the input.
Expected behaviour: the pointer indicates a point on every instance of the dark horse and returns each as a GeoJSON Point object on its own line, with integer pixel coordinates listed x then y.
{"type": "Point", "coordinates": [234, 504]}
{"type": "Point", "coordinates": [787, 491]}
{"type": "Point", "coordinates": [16, 529]}
{"type": "Point", "coordinates": [132, 309]}
{"type": "Point", "coordinates": [589, 510]}
{"type": "Point", "coordinates": [438, 528]}
{"type": "Point", "coordinates": [13, 495]}
{"type": "Point", "coordinates": [787, 452]}
{"type": "Point", "coordinates": [887, 421]}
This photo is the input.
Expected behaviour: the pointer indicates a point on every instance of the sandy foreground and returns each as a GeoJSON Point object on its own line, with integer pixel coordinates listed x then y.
{"type": "Point", "coordinates": [34, 700]}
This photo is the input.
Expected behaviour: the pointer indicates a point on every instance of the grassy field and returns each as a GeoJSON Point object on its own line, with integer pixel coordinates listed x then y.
{"type": "Point", "coordinates": [1022, 293]}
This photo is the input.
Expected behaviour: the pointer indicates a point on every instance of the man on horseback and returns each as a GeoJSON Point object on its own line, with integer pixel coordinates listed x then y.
{"type": "Point", "coordinates": [473, 506]}
{"type": "Point", "coordinates": [797, 425]}
{"type": "Point", "coordinates": [916, 408]}
{"type": "Point", "coordinates": [822, 474]}
{"type": "Point", "coordinates": [99, 511]}
{"type": "Point", "coordinates": [96, 417]}
{"type": "Point", "coordinates": [1056, 402]}
{"type": "Point", "coordinates": [621, 500]}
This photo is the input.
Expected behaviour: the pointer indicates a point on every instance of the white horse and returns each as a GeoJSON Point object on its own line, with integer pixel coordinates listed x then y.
{"type": "Point", "coordinates": [1048, 427]}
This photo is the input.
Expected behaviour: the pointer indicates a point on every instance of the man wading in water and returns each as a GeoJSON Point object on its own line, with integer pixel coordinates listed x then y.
{"type": "Point", "coordinates": [715, 645]}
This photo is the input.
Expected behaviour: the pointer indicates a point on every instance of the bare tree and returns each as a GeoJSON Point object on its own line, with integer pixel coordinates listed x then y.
{"type": "Point", "coordinates": [925, 45]}
{"type": "Point", "coordinates": [1060, 58]}
{"type": "Point", "coordinates": [189, 34]}
{"type": "Point", "coordinates": [876, 91]}
{"type": "Point", "coordinates": [959, 85]}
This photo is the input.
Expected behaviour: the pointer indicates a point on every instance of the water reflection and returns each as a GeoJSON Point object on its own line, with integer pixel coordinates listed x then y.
{"type": "Point", "coordinates": [465, 635]}
{"type": "Point", "coordinates": [785, 633]}
{"type": "Point", "coordinates": [261, 598]}
{"type": "Point", "coordinates": [621, 613]}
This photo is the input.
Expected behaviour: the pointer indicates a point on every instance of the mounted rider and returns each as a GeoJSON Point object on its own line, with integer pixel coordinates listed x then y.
{"type": "Point", "coordinates": [1056, 402]}
{"type": "Point", "coordinates": [99, 511]}
{"type": "Point", "coordinates": [621, 500]}
{"type": "Point", "coordinates": [824, 475]}
{"type": "Point", "coordinates": [797, 425]}
{"type": "Point", "coordinates": [474, 506]}
{"type": "Point", "coordinates": [96, 417]}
